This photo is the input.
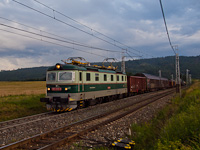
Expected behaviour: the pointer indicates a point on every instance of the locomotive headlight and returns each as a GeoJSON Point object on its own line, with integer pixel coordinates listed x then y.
{"type": "Point", "coordinates": [48, 89]}
{"type": "Point", "coordinates": [66, 89]}
{"type": "Point", "coordinates": [58, 66]}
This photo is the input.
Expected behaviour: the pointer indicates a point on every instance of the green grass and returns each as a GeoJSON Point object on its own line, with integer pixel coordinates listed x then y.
{"type": "Point", "coordinates": [177, 126]}
{"type": "Point", "coordinates": [12, 107]}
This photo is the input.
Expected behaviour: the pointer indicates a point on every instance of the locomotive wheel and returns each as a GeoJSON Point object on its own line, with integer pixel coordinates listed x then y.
{"type": "Point", "coordinates": [92, 102]}
{"type": "Point", "coordinates": [100, 100]}
{"type": "Point", "coordinates": [114, 97]}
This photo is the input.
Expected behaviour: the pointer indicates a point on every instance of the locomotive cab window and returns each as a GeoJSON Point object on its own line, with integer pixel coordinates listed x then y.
{"type": "Point", "coordinates": [66, 76]}
{"type": "Point", "coordinates": [51, 76]}
{"type": "Point", "coordinates": [87, 76]}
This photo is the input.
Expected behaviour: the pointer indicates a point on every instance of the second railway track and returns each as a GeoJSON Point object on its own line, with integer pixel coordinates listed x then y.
{"type": "Point", "coordinates": [59, 136]}
{"type": "Point", "coordinates": [20, 121]}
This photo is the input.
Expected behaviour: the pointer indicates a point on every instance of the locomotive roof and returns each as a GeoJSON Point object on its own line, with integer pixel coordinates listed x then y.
{"type": "Point", "coordinates": [67, 67]}
{"type": "Point", "coordinates": [149, 76]}
{"type": "Point", "coordinates": [81, 68]}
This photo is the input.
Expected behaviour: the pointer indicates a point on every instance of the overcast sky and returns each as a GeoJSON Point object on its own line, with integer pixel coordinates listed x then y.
{"type": "Point", "coordinates": [137, 24]}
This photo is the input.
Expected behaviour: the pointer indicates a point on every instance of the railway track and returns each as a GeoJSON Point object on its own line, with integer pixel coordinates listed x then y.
{"type": "Point", "coordinates": [68, 133]}
{"type": "Point", "coordinates": [34, 119]}
{"type": "Point", "coordinates": [20, 121]}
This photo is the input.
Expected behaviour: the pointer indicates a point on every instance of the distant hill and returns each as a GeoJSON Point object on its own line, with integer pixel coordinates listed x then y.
{"type": "Point", "coordinates": [151, 66]}
{"type": "Point", "coordinates": [166, 65]}
{"type": "Point", "coordinates": [24, 74]}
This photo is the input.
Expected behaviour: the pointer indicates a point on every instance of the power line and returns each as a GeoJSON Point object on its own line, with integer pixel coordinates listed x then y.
{"type": "Point", "coordinates": [38, 29]}
{"type": "Point", "coordinates": [51, 42]}
{"type": "Point", "coordinates": [131, 56]}
{"type": "Point", "coordinates": [66, 24]}
{"type": "Point", "coordinates": [166, 26]}
{"type": "Point", "coordinates": [74, 26]}
{"type": "Point", "coordinates": [85, 26]}
{"type": "Point", "coordinates": [52, 38]}
{"type": "Point", "coordinates": [135, 54]}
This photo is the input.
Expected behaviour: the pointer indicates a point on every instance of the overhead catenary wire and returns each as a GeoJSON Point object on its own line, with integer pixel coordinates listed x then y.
{"type": "Point", "coordinates": [71, 41]}
{"type": "Point", "coordinates": [91, 34]}
{"type": "Point", "coordinates": [115, 41]}
{"type": "Point", "coordinates": [37, 29]}
{"type": "Point", "coordinates": [52, 38]}
{"type": "Point", "coordinates": [131, 56]}
{"type": "Point", "coordinates": [163, 14]}
{"type": "Point", "coordinates": [52, 43]}
{"type": "Point", "coordinates": [67, 24]}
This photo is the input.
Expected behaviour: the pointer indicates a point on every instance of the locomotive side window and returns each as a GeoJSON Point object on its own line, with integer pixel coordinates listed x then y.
{"type": "Point", "coordinates": [122, 78]}
{"type": "Point", "coordinates": [117, 77]}
{"type": "Point", "coordinates": [105, 77]}
{"type": "Point", "coordinates": [80, 76]}
{"type": "Point", "coordinates": [96, 77]}
{"type": "Point", "coordinates": [65, 76]}
{"type": "Point", "coordinates": [87, 76]}
{"type": "Point", "coordinates": [112, 79]}
{"type": "Point", "coordinates": [51, 76]}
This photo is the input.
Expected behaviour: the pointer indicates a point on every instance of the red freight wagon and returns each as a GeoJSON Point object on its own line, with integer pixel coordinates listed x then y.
{"type": "Point", "coordinates": [136, 84]}
{"type": "Point", "coordinates": [154, 82]}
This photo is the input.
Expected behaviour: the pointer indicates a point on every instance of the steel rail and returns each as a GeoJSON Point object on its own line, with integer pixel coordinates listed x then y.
{"type": "Point", "coordinates": [40, 137]}
{"type": "Point", "coordinates": [7, 124]}
{"type": "Point", "coordinates": [30, 119]}
{"type": "Point", "coordinates": [72, 137]}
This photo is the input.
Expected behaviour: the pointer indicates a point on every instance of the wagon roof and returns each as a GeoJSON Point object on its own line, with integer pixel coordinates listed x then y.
{"type": "Point", "coordinates": [149, 76]}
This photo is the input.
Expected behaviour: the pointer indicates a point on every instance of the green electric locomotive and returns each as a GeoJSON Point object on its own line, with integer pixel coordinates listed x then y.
{"type": "Point", "coordinates": [77, 84]}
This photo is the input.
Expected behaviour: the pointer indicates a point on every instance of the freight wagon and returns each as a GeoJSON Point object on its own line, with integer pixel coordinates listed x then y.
{"type": "Point", "coordinates": [154, 83]}
{"type": "Point", "coordinates": [136, 84]}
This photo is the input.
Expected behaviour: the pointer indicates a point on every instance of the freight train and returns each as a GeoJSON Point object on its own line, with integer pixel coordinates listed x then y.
{"type": "Point", "coordinates": [77, 85]}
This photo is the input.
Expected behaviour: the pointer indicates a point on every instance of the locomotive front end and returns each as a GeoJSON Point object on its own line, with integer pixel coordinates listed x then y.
{"type": "Point", "coordinates": [61, 88]}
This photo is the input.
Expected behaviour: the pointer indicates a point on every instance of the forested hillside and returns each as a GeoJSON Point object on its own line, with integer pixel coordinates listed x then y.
{"type": "Point", "coordinates": [166, 64]}
{"type": "Point", "coordinates": [151, 66]}
{"type": "Point", "coordinates": [25, 74]}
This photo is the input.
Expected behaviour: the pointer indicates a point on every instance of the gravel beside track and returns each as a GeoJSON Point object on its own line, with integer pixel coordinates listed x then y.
{"type": "Point", "coordinates": [18, 121]}
{"type": "Point", "coordinates": [119, 129]}
{"type": "Point", "coordinates": [10, 135]}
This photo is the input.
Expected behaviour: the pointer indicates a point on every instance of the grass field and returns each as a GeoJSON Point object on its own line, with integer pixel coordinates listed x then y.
{"type": "Point", "coordinates": [20, 99]}
{"type": "Point", "coordinates": [176, 127]}
{"type": "Point", "coordinates": [22, 88]}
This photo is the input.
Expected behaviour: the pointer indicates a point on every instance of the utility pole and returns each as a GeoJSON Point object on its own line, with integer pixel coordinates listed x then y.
{"type": "Point", "coordinates": [178, 80]}
{"type": "Point", "coordinates": [123, 61]}
{"type": "Point", "coordinates": [190, 79]}
{"type": "Point", "coordinates": [187, 77]}
{"type": "Point", "coordinates": [172, 76]}
{"type": "Point", "coordinates": [172, 80]}
{"type": "Point", "coordinates": [160, 77]}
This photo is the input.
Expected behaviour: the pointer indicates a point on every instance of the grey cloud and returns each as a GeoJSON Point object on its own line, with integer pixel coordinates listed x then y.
{"type": "Point", "coordinates": [138, 23]}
